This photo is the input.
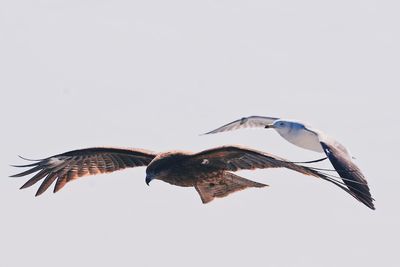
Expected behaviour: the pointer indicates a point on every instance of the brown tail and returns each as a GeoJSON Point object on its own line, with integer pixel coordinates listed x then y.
{"type": "Point", "coordinates": [223, 186]}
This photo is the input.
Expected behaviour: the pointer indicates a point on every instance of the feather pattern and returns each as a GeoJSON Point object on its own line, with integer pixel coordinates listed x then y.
{"type": "Point", "coordinates": [349, 172]}
{"type": "Point", "coordinates": [235, 158]}
{"type": "Point", "coordinates": [245, 122]}
{"type": "Point", "coordinates": [71, 165]}
{"type": "Point", "coordinates": [223, 185]}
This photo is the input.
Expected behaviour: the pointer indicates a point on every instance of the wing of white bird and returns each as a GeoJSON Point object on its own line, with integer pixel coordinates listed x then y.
{"type": "Point", "coordinates": [245, 122]}
{"type": "Point", "coordinates": [351, 175]}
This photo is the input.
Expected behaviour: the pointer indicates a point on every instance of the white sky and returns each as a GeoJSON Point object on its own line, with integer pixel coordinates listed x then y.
{"type": "Point", "coordinates": [154, 75]}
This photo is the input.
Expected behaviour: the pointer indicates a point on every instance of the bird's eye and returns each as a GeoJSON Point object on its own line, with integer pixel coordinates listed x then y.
{"type": "Point", "coordinates": [281, 124]}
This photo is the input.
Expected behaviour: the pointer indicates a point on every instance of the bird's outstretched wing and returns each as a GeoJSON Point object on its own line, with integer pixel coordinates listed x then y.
{"type": "Point", "coordinates": [71, 165]}
{"type": "Point", "coordinates": [245, 122]}
{"type": "Point", "coordinates": [234, 158]}
{"type": "Point", "coordinates": [349, 172]}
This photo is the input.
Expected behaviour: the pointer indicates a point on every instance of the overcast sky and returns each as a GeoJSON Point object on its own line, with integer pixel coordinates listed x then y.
{"type": "Point", "coordinates": [156, 74]}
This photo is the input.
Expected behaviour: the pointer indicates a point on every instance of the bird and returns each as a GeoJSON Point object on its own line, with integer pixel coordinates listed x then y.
{"type": "Point", "coordinates": [305, 136]}
{"type": "Point", "coordinates": [210, 171]}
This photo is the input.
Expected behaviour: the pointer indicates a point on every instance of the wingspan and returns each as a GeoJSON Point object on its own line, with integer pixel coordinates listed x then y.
{"type": "Point", "coordinates": [71, 165]}
{"type": "Point", "coordinates": [245, 122]}
{"type": "Point", "coordinates": [350, 173]}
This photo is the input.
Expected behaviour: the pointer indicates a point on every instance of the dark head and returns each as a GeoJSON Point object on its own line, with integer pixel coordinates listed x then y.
{"type": "Point", "coordinates": [152, 171]}
{"type": "Point", "coordinates": [149, 178]}
{"type": "Point", "coordinates": [162, 165]}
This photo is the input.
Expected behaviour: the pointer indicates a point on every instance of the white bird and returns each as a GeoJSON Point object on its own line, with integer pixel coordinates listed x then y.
{"type": "Point", "coordinates": [307, 137]}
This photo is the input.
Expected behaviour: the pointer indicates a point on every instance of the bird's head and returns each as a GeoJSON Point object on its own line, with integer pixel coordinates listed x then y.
{"type": "Point", "coordinates": [284, 127]}
{"type": "Point", "coordinates": [153, 172]}
{"type": "Point", "coordinates": [149, 177]}
{"type": "Point", "coordinates": [160, 167]}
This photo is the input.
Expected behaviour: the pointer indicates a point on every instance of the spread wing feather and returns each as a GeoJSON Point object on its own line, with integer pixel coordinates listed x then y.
{"type": "Point", "coordinates": [349, 172]}
{"type": "Point", "coordinates": [245, 122]}
{"type": "Point", "coordinates": [234, 158]}
{"type": "Point", "coordinates": [71, 165]}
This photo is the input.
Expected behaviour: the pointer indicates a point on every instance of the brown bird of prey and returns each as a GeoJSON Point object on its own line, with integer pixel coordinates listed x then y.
{"type": "Point", "coordinates": [209, 171]}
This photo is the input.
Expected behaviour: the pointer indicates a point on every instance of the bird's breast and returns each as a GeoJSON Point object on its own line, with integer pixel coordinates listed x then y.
{"type": "Point", "coordinates": [185, 177]}
{"type": "Point", "coordinates": [178, 178]}
{"type": "Point", "coordinates": [304, 139]}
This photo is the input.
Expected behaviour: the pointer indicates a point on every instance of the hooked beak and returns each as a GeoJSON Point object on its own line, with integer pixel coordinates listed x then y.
{"type": "Point", "coordinates": [269, 126]}
{"type": "Point", "coordinates": [149, 177]}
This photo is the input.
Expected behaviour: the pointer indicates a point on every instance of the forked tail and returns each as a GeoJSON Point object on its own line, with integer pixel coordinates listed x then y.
{"type": "Point", "coordinates": [223, 185]}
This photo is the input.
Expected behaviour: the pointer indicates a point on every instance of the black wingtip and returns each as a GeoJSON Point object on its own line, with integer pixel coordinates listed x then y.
{"type": "Point", "coordinates": [351, 175]}
{"type": "Point", "coordinates": [21, 157]}
{"type": "Point", "coordinates": [36, 162]}
{"type": "Point", "coordinates": [24, 166]}
{"type": "Point", "coordinates": [367, 202]}
{"type": "Point", "coordinates": [23, 187]}
{"type": "Point", "coordinates": [309, 162]}
{"type": "Point", "coordinates": [27, 172]}
{"type": "Point", "coordinates": [39, 192]}
{"type": "Point", "coordinates": [207, 133]}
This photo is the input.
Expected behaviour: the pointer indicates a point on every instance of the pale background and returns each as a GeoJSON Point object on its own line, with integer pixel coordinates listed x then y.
{"type": "Point", "coordinates": [156, 74]}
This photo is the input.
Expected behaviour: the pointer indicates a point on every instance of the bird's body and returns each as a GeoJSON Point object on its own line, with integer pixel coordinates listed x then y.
{"type": "Point", "coordinates": [209, 171]}
{"type": "Point", "coordinates": [301, 136]}
{"type": "Point", "coordinates": [173, 168]}
{"type": "Point", "coordinates": [304, 136]}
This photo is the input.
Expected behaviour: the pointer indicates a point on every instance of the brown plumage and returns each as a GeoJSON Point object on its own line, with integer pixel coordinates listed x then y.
{"type": "Point", "coordinates": [209, 171]}
{"type": "Point", "coordinates": [74, 164]}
